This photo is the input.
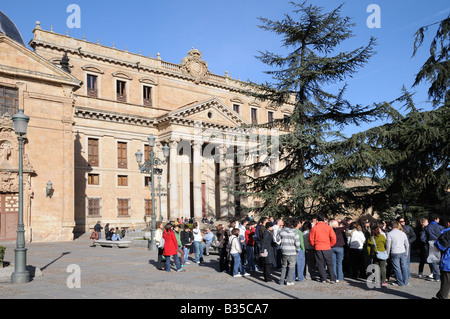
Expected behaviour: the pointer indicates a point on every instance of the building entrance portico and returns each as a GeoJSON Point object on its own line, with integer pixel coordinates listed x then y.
{"type": "Point", "coordinates": [197, 178]}
{"type": "Point", "coordinates": [200, 172]}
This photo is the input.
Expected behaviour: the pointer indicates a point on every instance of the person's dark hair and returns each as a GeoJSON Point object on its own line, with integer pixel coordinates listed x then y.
{"type": "Point", "coordinates": [320, 217]}
{"type": "Point", "coordinates": [375, 230]}
{"type": "Point", "coordinates": [168, 227]}
{"type": "Point", "coordinates": [306, 225]}
{"type": "Point", "coordinates": [235, 232]}
{"type": "Point", "coordinates": [432, 217]}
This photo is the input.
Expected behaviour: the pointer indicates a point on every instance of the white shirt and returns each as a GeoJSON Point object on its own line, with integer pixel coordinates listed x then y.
{"type": "Point", "coordinates": [356, 239]}
{"type": "Point", "coordinates": [197, 234]}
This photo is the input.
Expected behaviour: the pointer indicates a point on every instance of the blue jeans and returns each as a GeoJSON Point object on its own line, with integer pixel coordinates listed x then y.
{"type": "Point", "coordinates": [338, 256]}
{"type": "Point", "coordinates": [250, 256]}
{"type": "Point", "coordinates": [400, 268]}
{"type": "Point", "coordinates": [198, 248]}
{"type": "Point", "coordinates": [177, 262]}
{"type": "Point", "coordinates": [300, 266]}
{"type": "Point", "coordinates": [237, 265]}
{"type": "Point", "coordinates": [435, 271]}
{"type": "Point", "coordinates": [186, 254]}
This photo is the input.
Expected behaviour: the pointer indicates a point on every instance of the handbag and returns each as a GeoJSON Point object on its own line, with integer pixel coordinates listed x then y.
{"type": "Point", "coordinates": [381, 255]}
{"type": "Point", "coordinates": [434, 255]}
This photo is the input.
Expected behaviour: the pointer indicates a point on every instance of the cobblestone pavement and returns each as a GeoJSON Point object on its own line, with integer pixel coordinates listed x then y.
{"type": "Point", "coordinates": [130, 273]}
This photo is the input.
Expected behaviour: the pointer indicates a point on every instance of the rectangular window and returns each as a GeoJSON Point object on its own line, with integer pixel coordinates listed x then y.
{"type": "Point", "coordinates": [236, 108]}
{"type": "Point", "coordinates": [254, 116]}
{"type": "Point", "coordinates": [121, 155]}
{"type": "Point", "coordinates": [92, 85]}
{"type": "Point", "coordinates": [122, 206]}
{"type": "Point", "coordinates": [94, 207]}
{"type": "Point", "coordinates": [121, 91]}
{"type": "Point", "coordinates": [148, 207]}
{"type": "Point", "coordinates": [269, 116]}
{"type": "Point", "coordinates": [147, 95]}
{"type": "Point", "coordinates": [122, 180]}
{"type": "Point", "coordinates": [93, 152]}
{"type": "Point", "coordinates": [147, 181]}
{"type": "Point", "coordinates": [147, 150]}
{"type": "Point", "coordinates": [9, 100]}
{"type": "Point", "coordinates": [93, 179]}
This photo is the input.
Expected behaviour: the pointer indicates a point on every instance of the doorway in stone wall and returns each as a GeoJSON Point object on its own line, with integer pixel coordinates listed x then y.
{"type": "Point", "coordinates": [9, 216]}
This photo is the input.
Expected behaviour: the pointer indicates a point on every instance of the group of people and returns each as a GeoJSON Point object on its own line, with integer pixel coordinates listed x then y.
{"type": "Point", "coordinates": [174, 238]}
{"type": "Point", "coordinates": [111, 233]}
{"type": "Point", "coordinates": [318, 249]}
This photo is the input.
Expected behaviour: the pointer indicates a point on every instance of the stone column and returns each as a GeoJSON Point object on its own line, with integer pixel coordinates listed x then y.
{"type": "Point", "coordinates": [185, 183]}
{"type": "Point", "coordinates": [173, 193]}
{"type": "Point", "coordinates": [197, 178]}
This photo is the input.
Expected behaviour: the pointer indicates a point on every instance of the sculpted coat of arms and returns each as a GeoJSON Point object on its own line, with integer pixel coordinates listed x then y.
{"type": "Point", "coordinates": [194, 66]}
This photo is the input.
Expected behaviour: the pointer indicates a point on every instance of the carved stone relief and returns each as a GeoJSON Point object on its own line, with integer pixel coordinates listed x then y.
{"type": "Point", "coordinates": [194, 66]}
{"type": "Point", "coordinates": [9, 157]}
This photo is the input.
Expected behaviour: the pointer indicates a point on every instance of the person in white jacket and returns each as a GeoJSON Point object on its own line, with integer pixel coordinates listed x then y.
{"type": "Point", "coordinates": [198, 243]}
{"type": "Point", "coordinates": [235, 251]}
{"type": "Point", "coordinates": [355, 241]}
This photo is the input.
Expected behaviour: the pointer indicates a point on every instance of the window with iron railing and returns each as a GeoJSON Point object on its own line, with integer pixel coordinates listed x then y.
{"type": "Point", "coordinates": [94, 207]}
{"type": "Point", "coordinates": [9, 100]}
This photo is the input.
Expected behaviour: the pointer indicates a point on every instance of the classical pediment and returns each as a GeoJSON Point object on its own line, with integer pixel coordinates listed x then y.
{"type": "Point", "coordinates": [212, 112]}
{"type": "Point", "coordinates": [20, 61]}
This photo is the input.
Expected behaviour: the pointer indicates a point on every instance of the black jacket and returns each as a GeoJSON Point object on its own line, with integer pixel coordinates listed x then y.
{"type": "Point", "coordinates": [267, 243]}
{"type": "Point", "coordinates": [186, 237]}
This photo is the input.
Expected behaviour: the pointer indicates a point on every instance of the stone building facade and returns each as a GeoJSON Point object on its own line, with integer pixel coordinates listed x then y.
{"type": "Point", "coordinates": [92, 107]}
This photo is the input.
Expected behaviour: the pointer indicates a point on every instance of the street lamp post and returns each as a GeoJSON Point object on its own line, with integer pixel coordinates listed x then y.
{"type": "Point", "coordinates": [161, 192]}
{"type": "Point", "coordinates": [149, 167]}
{"type": "Point", "coordinates": [20, 274]}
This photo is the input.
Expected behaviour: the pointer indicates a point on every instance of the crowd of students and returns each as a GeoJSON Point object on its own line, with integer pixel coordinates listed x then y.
{"type": "Point", "coordinates": [317, 249]}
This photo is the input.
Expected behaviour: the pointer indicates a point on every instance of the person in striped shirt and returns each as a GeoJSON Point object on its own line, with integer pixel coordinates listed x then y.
{"type": "Point", "coordinates": [290, 246]}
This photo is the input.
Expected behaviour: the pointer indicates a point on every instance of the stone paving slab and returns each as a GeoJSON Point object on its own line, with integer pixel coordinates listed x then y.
{"type": "Point", "coordinates": [130, 273]}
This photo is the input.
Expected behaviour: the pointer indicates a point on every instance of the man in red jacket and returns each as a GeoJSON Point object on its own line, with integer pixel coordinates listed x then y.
{"type": "Point", "coordinates": [322, 237]}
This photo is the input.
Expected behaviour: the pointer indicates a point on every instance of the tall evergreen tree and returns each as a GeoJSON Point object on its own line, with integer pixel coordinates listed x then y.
{"type": "Point", "coordinates": [303, 185]}
{"type": "Point", "coordinates": [437, 67]}
{"type": "Point", "coordinates": [408, 159]}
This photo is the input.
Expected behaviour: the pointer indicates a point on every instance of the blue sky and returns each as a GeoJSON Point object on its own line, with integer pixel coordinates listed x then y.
{"type": "Point", "coordinates": [227, 34]}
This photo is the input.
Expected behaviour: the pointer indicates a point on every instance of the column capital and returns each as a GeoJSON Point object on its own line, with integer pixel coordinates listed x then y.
{"type": "Point", "coordinates": [173, 142]}
{"type": "Point", "coordinates": [197, 144]}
